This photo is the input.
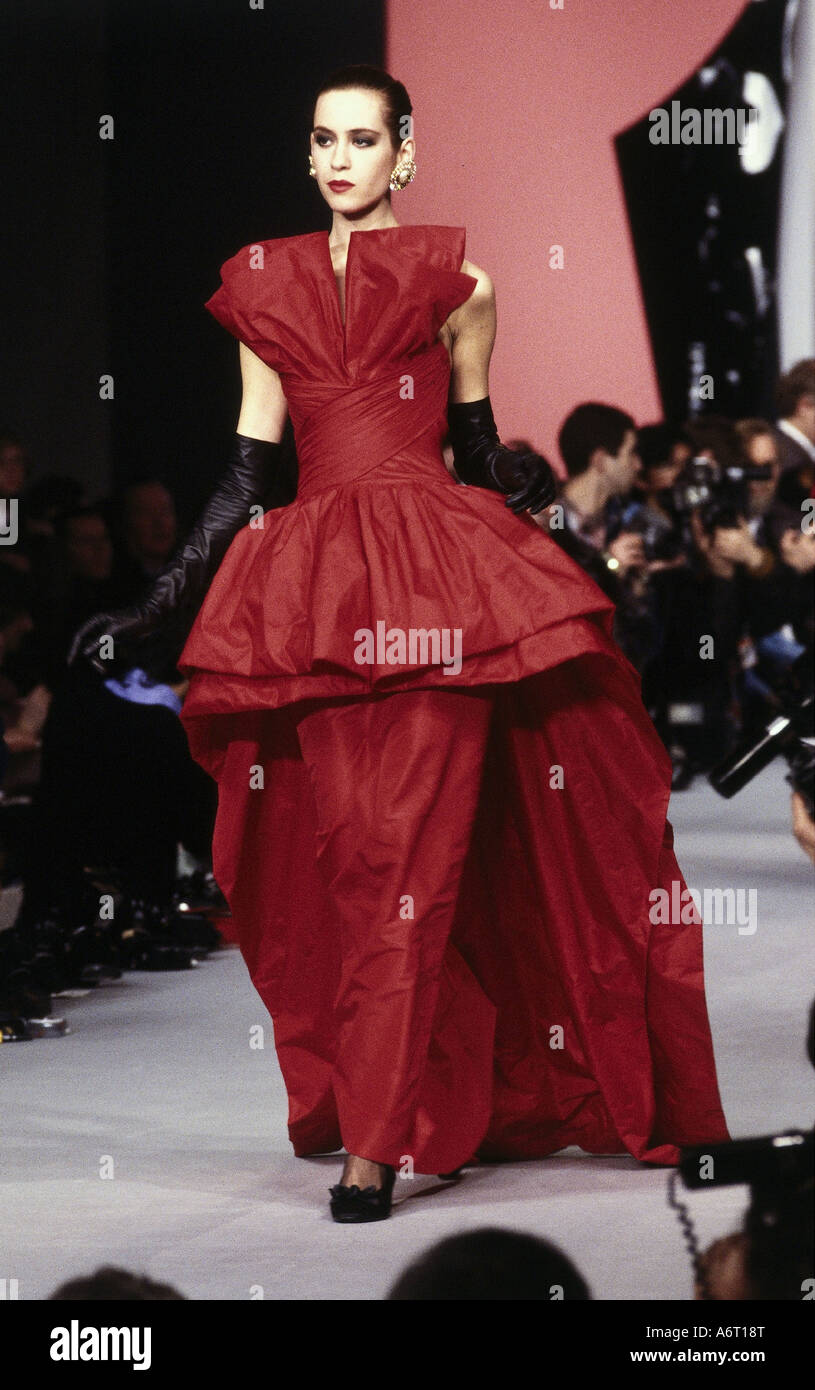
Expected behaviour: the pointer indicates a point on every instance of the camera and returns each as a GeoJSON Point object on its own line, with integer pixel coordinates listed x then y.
{"type": "Point", "coordinates": [777, 1226]}
{"type": "Point", "coordinates": [767, 1162]}
{"type": "Point", "coordinates": [661, 539]}
{"type": "Point", "coordinates": [791, 733]}
{"type": "Point", "coordinates": [718, 490]}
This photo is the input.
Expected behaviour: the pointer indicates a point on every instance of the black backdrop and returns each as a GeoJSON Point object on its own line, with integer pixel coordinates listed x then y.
{"type": "Point", "coordinates": [694, 212]}
{"type": "Point", "coordinates": [110, 248]}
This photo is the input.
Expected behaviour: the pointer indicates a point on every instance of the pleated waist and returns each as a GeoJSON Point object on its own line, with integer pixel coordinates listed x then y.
{"type": "Point", "coordinates": [390, 428]}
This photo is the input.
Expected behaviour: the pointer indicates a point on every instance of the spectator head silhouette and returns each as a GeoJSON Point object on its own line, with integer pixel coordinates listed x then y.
{"type": "Point", "coordinates": [149, 523]}
{"type": "Point", "coordinates": [110, 1284]}
{"type": "Point", "coordinates": [795, 397]}
{"type": "Point", "coordinates": [664, 449]}
{"type": "Point", "coordinates": [13, 464]}
{"type": "Point", "coordinates": [48, 498]}
{"type": "Point", "coordinates": [85, 538]}
{"type": "Point", "coordinates": [491, 1263]}
{"type": "Point", "coordinates": [603, 438]}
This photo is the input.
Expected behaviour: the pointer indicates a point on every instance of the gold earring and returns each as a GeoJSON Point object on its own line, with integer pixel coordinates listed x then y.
{"type": "Point", "coordinates": [402, 175]}
{"type": "Point", "coordinates": [311, 169]}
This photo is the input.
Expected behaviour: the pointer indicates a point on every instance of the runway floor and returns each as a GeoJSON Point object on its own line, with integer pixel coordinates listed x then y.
{"type": "Point", "coordinates": [158, 1077]}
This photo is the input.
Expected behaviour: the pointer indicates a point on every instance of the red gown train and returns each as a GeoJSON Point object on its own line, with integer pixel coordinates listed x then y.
{"type": "Point", "coordinates": [440, 859]}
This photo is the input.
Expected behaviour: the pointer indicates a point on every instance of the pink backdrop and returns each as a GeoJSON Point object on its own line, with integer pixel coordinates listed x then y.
{"type": "Point", "coordinates": [515, 111]}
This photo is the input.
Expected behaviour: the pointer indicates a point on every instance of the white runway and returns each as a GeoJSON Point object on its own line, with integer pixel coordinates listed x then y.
{"type": "Point", "coordinates": [158, 1076]}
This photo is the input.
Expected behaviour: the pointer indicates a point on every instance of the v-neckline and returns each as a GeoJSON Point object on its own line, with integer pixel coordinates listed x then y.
{"type": "Point", "coordinates": [342, 318]}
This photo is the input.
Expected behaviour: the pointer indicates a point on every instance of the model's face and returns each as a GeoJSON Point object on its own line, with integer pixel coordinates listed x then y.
{"type": "Point", "coordinates": [350, 144]}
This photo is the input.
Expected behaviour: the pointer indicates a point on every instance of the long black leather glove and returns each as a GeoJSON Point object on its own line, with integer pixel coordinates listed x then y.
{"type": "Point", "coordinates": [481, 460]}
{"type": "Point", "coordinates": [157, 626]}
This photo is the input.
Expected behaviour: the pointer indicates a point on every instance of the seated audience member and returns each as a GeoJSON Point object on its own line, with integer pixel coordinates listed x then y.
{"type": "Point", "coordinates": [14, 467]}
{"type": "Point", "coordinates": [38, 504]}
{"type": "Point", "coordinates": [47, 498]}
{"type": "Point", "coordinates": [44, 502]}
{"type": "Point", "coordinates": [79, 582]}
{"type": "Point", "coordinates": [14, 464]}
{"type": "Point", "coordinates": [23, 705]}
{"type": "Point", "coordinates": [119, 787]}
{"type": "Point", "coordinates": [145, 534]}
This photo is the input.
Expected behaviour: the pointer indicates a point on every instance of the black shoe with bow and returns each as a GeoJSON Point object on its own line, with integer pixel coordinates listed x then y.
{"type": "Point", "coordinates": [363, 1204]}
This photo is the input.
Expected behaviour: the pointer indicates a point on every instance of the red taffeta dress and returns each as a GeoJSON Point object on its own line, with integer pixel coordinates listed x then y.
{"type": "Point", "coordinates": [440, 859]}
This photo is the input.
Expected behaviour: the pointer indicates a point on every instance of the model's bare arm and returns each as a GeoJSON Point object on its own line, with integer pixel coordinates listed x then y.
{"type": "Point", "coordinates": [263, 404]}
{"type": "Point", "coordinates": [472, 335]}
{"type": "Point", "coordinates": [479, 457]}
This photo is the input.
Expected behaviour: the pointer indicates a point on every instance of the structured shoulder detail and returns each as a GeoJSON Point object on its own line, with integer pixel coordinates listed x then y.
{"type": "Point", "coordinates": [258, 298]}
{"type": "Point", "coordinates": [279, 297]}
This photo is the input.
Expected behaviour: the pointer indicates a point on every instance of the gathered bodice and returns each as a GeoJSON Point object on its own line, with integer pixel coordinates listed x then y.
{"type": "Point", "coordinates": [366, 392]}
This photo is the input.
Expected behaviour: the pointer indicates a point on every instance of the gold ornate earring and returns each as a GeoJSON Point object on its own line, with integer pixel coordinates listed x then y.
{"type": "Point", "coordinates": [311, 169]}
{"type": "Point", "coordinates": [402, 175]}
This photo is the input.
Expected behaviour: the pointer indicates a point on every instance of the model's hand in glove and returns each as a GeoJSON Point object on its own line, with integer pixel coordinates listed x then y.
{"type": "Point", "coordinates": [161, 621]}
{"type": "Point", "coordinates": [122, 631]}
{"type": "Point", "coordinates": [481, 460]}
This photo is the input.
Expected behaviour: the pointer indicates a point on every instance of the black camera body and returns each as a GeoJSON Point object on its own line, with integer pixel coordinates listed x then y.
{"type": "Point", "coordinates": [766, 1162]}
{"type": "Point", "coordinates": [791, 733]}
{"type": "Point", "coordinates": [718, 491]}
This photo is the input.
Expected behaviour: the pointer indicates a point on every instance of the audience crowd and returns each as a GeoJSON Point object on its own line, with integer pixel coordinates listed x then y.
{"type": "Point", "coordinates": [703, 534]}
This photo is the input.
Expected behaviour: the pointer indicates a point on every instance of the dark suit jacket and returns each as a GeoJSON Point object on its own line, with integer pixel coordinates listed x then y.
{"type": "Point", "coordinates": [797, 470]}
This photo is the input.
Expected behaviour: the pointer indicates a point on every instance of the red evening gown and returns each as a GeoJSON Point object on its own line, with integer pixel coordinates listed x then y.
{"type": "Point", "coordinates": [440, 871]}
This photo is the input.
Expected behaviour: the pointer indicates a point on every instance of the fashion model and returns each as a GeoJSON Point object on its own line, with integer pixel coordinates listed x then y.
{"type": "Point", "coordinates": [442, 804]}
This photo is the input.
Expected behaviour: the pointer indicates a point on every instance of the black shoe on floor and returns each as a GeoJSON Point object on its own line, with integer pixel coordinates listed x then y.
{"type": "Point", "coordinates": [354, 1204]}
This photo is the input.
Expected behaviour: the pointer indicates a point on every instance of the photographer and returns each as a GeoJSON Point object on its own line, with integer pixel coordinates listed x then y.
{"type": "Point", "coordinates": [795, 432]}
{"type": "Point", "coordinates": [760, 450]}
{"type": "Point", "coordinates": [598, 444]}
{"type": "Point", "coordinates": [772, 1256]}
{"type": "Point", "coordinates": [704, 609]}
{"type": "Point", "coordinates": [664, 452]}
